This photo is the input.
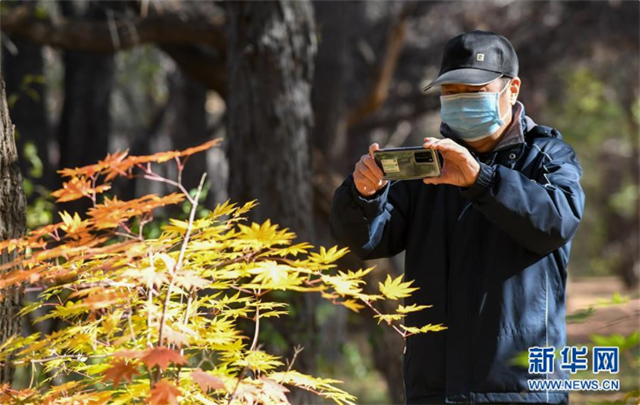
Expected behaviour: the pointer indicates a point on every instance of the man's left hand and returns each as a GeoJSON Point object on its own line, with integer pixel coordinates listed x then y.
{"type": "Point", "coordinates": [460, 168]}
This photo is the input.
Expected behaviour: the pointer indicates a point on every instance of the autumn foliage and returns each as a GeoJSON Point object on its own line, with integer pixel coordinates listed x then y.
{"type": "Point", "coordinates": [155, 320]}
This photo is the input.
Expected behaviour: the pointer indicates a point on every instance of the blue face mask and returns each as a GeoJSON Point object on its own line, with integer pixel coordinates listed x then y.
{"type": "Point", "coordinates": [473, 116]}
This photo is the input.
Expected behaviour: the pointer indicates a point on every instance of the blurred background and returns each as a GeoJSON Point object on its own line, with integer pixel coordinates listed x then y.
{"type": "Point", "coordinates": [298, 90]}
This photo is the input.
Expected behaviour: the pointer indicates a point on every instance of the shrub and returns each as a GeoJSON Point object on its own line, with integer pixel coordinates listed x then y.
{"type": "Point", "coordinates": [156, 319]}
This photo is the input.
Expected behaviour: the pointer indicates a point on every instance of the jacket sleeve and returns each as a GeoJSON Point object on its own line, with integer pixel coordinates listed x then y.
{"type": "Point", "coordinates": [540, 213]}
{"type": "Point", "coordinates": [372, 227]}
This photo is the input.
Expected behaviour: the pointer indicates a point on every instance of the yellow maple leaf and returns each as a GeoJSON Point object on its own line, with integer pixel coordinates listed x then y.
{"type": "Point", "coordinates": [395, 288]}
{"type": "Point", "coordinates": [352, 305]}
{"type": "Point", "coordinates": [342, 285]}
{"type": "Point", "coordinates": [328, 256]}
{"type": "Point", "coordinates": [388, 318]}
{"type": "Point", "coordinates": [424, 329]}
{"type": "Point", "coordinates": [72, 224]}
{"type": "Point", "coordinates": [412, 308]}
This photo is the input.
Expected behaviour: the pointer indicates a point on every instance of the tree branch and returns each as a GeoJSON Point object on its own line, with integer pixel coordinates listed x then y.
{"type": "Point", "coordinates": [162, 29]}
{"type": "Point", "coordinates": [380, 88]}
{"type": "Point", "coordinates": [206, 67]}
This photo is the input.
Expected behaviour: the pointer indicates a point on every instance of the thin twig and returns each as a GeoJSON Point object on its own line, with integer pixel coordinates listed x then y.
{"type": "Point", "coordinates": [235, 389]}
{"type": "Point", "coordinates": [63, 356]}
{"type": "Point", "coordinates": [403, 334]}
{"type": "Point", "coordinates": [257, 330]}
{"type": "Point", "coordinates": [178, 264]}
{"type": "Point", "coordinates": [150, 301]}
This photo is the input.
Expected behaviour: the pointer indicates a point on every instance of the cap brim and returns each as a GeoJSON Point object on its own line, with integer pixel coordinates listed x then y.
{"type": "Point", "coordinates": [472, 77]}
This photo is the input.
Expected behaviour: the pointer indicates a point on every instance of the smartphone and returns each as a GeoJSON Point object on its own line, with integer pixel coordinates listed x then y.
{"type": "Point", "coordinates": [408, 163]}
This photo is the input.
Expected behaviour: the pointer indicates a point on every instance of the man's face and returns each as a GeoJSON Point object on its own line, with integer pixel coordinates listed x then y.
{"type": "Point", "coordinates": [506, 100]}
{"type": "Point", "coordinates": [494, 87]}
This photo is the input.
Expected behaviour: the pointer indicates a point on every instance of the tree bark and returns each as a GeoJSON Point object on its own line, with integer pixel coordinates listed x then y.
{"type": "Point", "coordinates": [336, 21]}
{"type": "Point", "coordinates": [270, 60]}
{"type": "Point", "coordinates": [23, 67]}
{"type": "Point", "coordinates": [83, 133]}
{"type": "Point", "coordinates": [182, 123]}
{"type": "Point", "coordinates": [115, 34]}
{"type": "Point", "coordinates": [12, 223]}
{"type": "Point", "coordinates": [193, 35]}
{"type": "Point", "coordinates": [270, 118]}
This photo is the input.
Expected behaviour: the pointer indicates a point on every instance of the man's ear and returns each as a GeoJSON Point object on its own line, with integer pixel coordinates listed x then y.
{"type": "Point", "coordinates": [514, 90]}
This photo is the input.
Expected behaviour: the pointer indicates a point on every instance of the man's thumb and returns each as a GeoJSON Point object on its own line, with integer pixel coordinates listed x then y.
{"type": "Point", "coordinates": [372, 147]}
{"type": "Point", "coordinates": [433, 180]}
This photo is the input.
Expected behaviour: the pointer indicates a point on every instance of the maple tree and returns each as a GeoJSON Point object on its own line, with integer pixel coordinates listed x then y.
{"type": "Point", "coordinates": [155, 320]}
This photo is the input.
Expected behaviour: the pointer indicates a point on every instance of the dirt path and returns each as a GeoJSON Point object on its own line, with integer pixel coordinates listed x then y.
{"type": "Point", "coordinates": [623, 319]}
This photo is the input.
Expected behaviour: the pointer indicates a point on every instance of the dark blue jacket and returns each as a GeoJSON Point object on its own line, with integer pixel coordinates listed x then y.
{"type": "Point", "coordinates": [491, 259]}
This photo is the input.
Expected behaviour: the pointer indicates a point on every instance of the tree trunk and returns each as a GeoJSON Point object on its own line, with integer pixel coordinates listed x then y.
{"type": "Point", "coordinates": [12, 223]}
{"type": "Point", "coordinates": [270, 117]}
{"type": "Point", "coordinates": [336, 22]}
{"type": "Point", "coordinates": [189, 126]}
{"type": "Point", "coordinates": [180, 124]}
{"type": "Point", "coordinates": [270, 59]}
{"type": "Point", "coordinates": [83, 134]}
{"type": "Point", "coordinates": [23, 67]}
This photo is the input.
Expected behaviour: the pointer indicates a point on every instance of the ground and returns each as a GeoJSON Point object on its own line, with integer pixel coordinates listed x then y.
{"type": "Point", "coordinates": [623, 319]}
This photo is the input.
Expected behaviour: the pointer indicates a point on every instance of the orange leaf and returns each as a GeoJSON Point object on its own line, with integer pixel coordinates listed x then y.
{"type": "Point", "coordinates": [161, 356]}
{"type": "Point", "coordinates": [11, 396]}
{"type": "Point", "coordinates": [90, 170]}
{"type": "Point", "coordinates": [200, 148]}
{"type": "Point", "coordinates": [164, 393]}
{"type": "Point", "coordinates": [77, 188]}
{"type": "Point", "coordinates": [104, 299]}
{"type": "Point", "coordinates": [114, 211]}
{"type": "Point", "coordinates": [16, 277]}
{"type": "Point", "coordinates": [206, 381]}
{"type": "Point", "coordinates": [120, 370]}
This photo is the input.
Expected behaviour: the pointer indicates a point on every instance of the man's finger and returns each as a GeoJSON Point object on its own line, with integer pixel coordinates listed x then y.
{"type": "Point", "coordinates": [373, 166]}
{"type": "Point", "coordinates": [365, 183]}
{"type": "Point", "coordinates": [373, 147]}
{"type": "Point", "coordinates": [444, 145]}
{"type": "Point", "coordinates": [435, 180]}
{"type": "Point", "coordinates": [431, 141]}
{"type": "Point", "coordinates": [360, 161]}
{"type": "Point", "coordinates": [367, 173]}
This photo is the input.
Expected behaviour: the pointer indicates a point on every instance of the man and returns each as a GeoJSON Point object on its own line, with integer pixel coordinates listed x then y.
{"type": "Point", "coordinates": [487, 242]}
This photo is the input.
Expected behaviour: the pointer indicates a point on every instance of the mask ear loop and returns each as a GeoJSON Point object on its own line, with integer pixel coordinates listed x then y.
{"type": "Point", "coordinates": [499, 94]}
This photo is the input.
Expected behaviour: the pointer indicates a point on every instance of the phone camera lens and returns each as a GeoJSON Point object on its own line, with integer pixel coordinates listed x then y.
{"type": "Point", "coordinates": [423, 157]}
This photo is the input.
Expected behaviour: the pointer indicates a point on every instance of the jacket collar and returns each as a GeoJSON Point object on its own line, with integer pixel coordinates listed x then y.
{"type": "Point", "coordinates": [514, 134]}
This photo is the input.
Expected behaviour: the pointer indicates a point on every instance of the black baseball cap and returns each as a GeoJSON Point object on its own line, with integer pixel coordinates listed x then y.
{"type": "Point", "coordinates": [476, 58]}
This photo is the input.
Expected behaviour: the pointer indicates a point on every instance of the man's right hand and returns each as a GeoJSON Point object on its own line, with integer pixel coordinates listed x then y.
{"type": "Point", "coordinates": [367, 175]}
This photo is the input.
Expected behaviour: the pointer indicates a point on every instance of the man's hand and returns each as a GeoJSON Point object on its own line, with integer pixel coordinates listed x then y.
{"type": "Point", "coordinates": [460, 168]}
{"type": "Point", "coordinates": [367, 175]}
